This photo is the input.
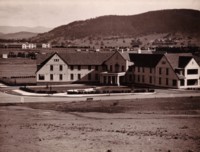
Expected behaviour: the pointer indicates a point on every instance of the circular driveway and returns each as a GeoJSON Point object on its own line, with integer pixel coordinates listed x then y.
{"type": "Point", "coordinates": [160, 93]}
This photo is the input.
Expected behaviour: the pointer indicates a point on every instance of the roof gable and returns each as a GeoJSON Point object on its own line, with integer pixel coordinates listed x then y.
{"type": "Point", "coordinates": [178, 60]}
{"type": "Point", "coordinates": [77, 58]}
{"type": "Point", "coordinates": [116, 52]}
{"type": "Point", "coordinates": [43, 59]}
{"type": "Point", "coordinates": [125, 55]}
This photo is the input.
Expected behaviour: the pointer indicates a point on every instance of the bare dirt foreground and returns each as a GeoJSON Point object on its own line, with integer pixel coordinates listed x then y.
{"type": "Point", "coordinates": [140, 125]}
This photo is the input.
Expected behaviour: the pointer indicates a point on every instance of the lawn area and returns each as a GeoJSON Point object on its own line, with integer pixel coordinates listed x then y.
{"type": "Point", "coordinates": [18, 70]}
{"type": "Point", "coordinates": [17, 67]}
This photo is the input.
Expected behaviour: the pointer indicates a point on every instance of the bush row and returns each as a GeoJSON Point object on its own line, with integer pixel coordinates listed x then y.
{"type": "Point", "coordinates": [92, 92]}
{"type": "Point", "coordinates": [22, 77]}
{"type": "Point", "coordinates": [113, 91]}
{"type": "Point", "coordinates": [37, 91]}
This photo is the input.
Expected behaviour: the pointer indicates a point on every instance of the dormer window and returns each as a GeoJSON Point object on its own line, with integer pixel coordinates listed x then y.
{"type": "Point", "coordinates": [56, 60]}
{"type": "Point", "coordinates": [163, 62]}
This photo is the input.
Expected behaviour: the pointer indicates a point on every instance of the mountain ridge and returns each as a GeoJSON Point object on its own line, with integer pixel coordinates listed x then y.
{"type": "Point", "coordinates": [18, 35]}
{"type": "Point", "coordinates": [161, 21]}
{"type": "Point", "coordinates": [15, 29]}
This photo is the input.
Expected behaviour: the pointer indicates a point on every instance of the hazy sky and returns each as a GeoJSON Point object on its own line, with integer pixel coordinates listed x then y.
{"type": "Point", "coordinates": [52, 13]}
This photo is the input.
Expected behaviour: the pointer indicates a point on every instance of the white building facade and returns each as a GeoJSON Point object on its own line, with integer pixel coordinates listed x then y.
{"type": "Point", "coordinates": [28, 46]}
{"type": "Point", "coordinates": [160, 70]}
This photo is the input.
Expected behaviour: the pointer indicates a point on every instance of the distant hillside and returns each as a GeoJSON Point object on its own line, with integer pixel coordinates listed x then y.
{"type": "Point", "coordinates": [1, 34]}
{"type": "Point", "coordinates": [164, 21]}
{"type": "Point", "coordinates": [15, 29]}
{"type": "Point", "coordinates": [19, 35]}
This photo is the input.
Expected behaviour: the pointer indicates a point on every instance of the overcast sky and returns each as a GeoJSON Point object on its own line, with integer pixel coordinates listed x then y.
{"type": "Point", "coordinates": [52, 13]}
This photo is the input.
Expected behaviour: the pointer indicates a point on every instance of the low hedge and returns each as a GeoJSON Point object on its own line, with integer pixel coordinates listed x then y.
{"type": "Point", "coordinates": [37, 91]}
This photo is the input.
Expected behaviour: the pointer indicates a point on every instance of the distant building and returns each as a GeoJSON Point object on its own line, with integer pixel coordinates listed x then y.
{"type": "Point", "coordinates": [28, 46]}
{"type": "Point", "coordinates": [44, 45]}
{"type": "Point", "coordinates": [4, 55]}
{"type": "Point", "coordinates": [108, 68]}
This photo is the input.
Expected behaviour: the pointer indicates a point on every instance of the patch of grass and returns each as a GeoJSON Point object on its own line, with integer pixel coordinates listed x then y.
{"type": "Point", "coordinates": [184, 106]}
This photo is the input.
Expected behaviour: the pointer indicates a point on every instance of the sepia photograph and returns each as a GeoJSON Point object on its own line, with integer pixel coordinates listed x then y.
{"type": "Point", "coordinates": [99, 76]}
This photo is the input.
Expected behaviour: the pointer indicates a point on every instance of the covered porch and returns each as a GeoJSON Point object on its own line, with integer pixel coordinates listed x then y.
{"type": "Point", "coordinates": [111, 78]}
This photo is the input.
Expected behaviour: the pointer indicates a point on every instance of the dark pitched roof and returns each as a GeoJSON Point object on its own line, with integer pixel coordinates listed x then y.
{"type": "Point", "coordinates": [178, 60]}
{"type": "Point", "coordinates": [78, 58]}
{"type": "Point", "coordinates": [86, 58]}
{"type": "Point", "coordinates": [184, 60]}
{"type": "Point", "coordinates": [145, 60]}
{"type": "Point", "coordinates": [43, 58]}
{"type": "Point", "coordinates": [197, 59]}
{"type": "Point", "coordinates": [125, 55]}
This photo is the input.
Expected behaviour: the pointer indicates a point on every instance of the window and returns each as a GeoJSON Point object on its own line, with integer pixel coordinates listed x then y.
{"type": "Point", "coordinates": [133, 78]}
{"type": "Point", "coordinates": [41, 77]}
{"type": "Point", "coordinates": [89, 76]}
{"type": "Point", "coordinates": [143, 78]}
{"type": "Point", "coordinates": [79, 67]}
{"type": "Point", "coordinates": [182, 82]}
{"type": "Point", "coordinates": [117, 67]}
{"type": "Point", "coordinates": [160, 71]}
{"type": "Point", "coordinates": [143, 69]}
{"type": "Point", "coordinates": [130, 69]}
{"type": "Point", "coordinates": [174, 82]}
{"type": "Point", "coordinates": [61, 67]}
{"type": "Point", "coordinates": [150, 70]}
{"type": "Point", "coordinates": [105, 68]}
{"type": "Point", "coordinates": [167, 71]}
{"type": "Point", "coordinates": [72, 76]}
{"type": "Point", "coordinates": [89, 67]}
{"type": "Point", "coordinates": [56, 60]}
{"type": "Point", "coordinates": [104, 79]}
{"type": "Point", "coordinates": [138, 69]}
{"type": "Point", "coordinates": [96, 68]}
{"type": "Point", "coordinates": [96, 77]}
{"type": "Point", "coordinates": [150, 79]}
{"type": "Point", "coordinates": [130, 78]}
{"type": "Point", "coordinates": [138, 78]}
{"type": "Point", "coordinates": [111, 68]}
{"type": "Point", "coordinates": [61, 76]}
{"type": "Point", "coordinates": [51, 76]}
{"type": "Point", "coordinates": [79, 76]}
{"type": "Point", "coordinates": [192, 71]}
{"type": "Point", "coordinates": [51, 67]}
{"type": "Point", "coordinates": [167, 81]}
{"type": "Point", "coordinates": [160, 80]}
{"type": "Point", "coordinates": [192, 82]}
{"type": "Point", "coordinates": [72, 67]}
{"type": "Point", "coordinates": [122, 68]}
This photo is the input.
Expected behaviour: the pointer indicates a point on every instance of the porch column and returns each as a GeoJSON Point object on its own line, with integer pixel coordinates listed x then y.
{"type": "Point", "coordinates": [117, 80]}
{"type": "Point", "coordinates": [101, 79]}
{"type": "Point", "coordinates": [106, 79]}
{"type": "Point", "coordinates": [111, 80]}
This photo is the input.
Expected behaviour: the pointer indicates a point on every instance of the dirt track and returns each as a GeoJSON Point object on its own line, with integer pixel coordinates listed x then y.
{"type": "Point", "coordinates": [119, 126]}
